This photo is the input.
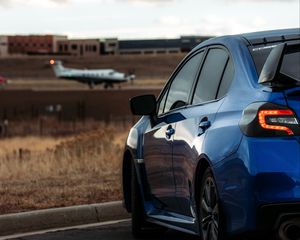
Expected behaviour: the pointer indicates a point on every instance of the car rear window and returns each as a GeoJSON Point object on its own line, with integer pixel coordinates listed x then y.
{"type": "Point", "coordinates": [290, 65]}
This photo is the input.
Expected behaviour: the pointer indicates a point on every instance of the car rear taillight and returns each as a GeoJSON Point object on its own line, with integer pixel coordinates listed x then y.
{"type": "Point", "coordinates": [269, 120]}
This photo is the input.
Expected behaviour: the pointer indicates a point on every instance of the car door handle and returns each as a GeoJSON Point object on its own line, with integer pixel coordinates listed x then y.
{"type": "Point", "coordinates": [169, 132]}
{"type": "Point", "coordinates": [204, 125]}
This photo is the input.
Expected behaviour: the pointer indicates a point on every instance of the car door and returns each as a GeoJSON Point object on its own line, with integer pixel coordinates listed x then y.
{"type": "Point", "coordinates": [158, 138]}
{"type": "Point", "coordinates": [189, 137]}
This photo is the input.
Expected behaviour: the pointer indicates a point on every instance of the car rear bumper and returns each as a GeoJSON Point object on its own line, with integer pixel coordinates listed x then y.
{"type": "Point", "coordinates": [270, 217]}
{"type": "Point", "coordinates": [259, 185]}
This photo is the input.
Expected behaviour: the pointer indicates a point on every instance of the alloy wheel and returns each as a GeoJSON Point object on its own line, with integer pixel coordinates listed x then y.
{"type": "Point", "coordinates": [209, 210]}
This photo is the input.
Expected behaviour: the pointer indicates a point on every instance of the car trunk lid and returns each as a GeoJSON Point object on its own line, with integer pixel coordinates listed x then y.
{"type": "Point", "coordinates": [292, 96]}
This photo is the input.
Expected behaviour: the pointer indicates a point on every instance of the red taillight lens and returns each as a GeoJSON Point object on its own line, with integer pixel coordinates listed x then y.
{"type": "Point", "coordinates": [275, 119]}
{"type": "Point", "coordinates": [265, 119]}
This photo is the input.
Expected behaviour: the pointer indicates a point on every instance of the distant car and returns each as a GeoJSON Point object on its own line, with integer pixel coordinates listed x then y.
{"type": "Point", "coordinates": [218, 152]}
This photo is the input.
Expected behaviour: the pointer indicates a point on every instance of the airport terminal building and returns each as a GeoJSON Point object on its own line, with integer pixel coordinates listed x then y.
{"type": "Point", "coordinates": [113, 46]}
{"type": "Point", "coordinates": [3, 46]}
{"type": "Point", "coordinates": [160, 46]}
{"type": "Point", "coordinates": [23, 45]}
{"type": "Point", "coordinates": [33, 44]}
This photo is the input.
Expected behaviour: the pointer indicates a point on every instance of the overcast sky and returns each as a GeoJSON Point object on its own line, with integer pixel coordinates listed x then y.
{"type": "Point", "coordinates": [128, 19]}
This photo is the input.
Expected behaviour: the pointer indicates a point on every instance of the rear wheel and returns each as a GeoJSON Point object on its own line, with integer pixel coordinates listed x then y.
{"type": "Point", "coordinates": [210, 220]}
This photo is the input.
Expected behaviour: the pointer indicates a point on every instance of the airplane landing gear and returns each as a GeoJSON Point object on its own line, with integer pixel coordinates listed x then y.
{"type": "Point", "coordinates": [91, 85]}
{"type": "Point", "coordinates": [108, 85]}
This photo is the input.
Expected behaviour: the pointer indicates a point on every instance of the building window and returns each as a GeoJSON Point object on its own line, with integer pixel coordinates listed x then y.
{"type": "Point", "coordinates": [94, 48]}
{"type": "Point", "coordinates": [74, 47]}
{"type": "Point", "coordinates": [149, 52]}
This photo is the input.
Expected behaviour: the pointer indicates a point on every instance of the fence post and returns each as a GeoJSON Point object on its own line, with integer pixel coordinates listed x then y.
{"type": "Point", "coordinates": [41, 125]}
{"type": "Point", "coordinates": [20, 153]}
{"type": "Point", "coordinates": [74, 125]}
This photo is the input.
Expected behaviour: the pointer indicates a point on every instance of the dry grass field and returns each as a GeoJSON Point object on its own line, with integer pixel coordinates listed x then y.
{"type": "Point", "coordinates": [72, 156]}
{"type": "Point", "coordinates": [44, 172]}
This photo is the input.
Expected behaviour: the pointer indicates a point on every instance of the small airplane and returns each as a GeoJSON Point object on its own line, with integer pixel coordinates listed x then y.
{"type": "Point", "coordinates": [3, 82]}
{"type": "Point", "coordinates": [92, 77]}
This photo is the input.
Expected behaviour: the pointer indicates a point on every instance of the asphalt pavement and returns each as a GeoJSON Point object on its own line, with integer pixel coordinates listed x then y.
{"type": "Point", "coordinates": [116, 231]}
{"type": "Point", "coordinates": [113, 230]}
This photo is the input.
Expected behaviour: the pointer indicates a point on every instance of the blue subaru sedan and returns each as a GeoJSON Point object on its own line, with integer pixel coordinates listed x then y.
{"type": "Point", "coordinates": [218, 152]}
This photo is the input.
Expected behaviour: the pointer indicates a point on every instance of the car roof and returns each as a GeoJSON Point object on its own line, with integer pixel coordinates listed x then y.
{"type": "Point", "coordinates": [255, 38]}
{"type": "Point", "coordinates": [265, 37]}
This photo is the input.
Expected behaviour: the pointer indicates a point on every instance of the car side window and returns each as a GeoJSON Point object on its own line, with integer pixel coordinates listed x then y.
{"type": "Point", "coordinates": [226, 79]}
{"type": "Point", "coordinates": [210, 76]}
{"type": "Point", "coordinates": [161, 104]}
{"type": "Point", "coordinates": [181, 85]}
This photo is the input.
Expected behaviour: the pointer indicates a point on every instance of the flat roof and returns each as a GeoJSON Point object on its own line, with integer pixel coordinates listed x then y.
{"type": "Point", "coordinates": [149, 44]}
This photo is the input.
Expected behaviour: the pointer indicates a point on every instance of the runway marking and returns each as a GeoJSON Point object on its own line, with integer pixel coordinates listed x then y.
{"type": "Point", "coordinates": [20, 235]}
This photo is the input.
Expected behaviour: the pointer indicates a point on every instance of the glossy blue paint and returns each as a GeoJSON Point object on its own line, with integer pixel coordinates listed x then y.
{"type": "Point", "coordinates": [250, 172]}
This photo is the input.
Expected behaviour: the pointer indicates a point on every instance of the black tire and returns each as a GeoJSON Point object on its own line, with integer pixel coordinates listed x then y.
{"type": "Point", "coordinates": [211, 221]}
{"type": "Point", "coordinates": [91, 85]}
{"type": "Point", "coordinates": [137, 210]}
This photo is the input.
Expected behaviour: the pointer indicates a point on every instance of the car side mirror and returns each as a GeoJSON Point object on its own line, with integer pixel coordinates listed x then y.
{"type": "Point", "coordinates": [143, 105]}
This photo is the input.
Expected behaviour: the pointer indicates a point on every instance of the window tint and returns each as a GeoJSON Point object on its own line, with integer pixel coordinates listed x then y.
{"type": "Point", "coordinates": [210, 76]}
{"type": "Point", "coordinates": [227, 79]}
{"type": "Point", "coordinates": [290, 63]}
{"type": "Point", "coordinates": [162, 103]}
{"type": "Point", "coordinates": [182, 84]}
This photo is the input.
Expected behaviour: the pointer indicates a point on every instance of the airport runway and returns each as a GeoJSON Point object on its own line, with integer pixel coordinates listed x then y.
{"type": "Point", "coordinates": [67, 85]}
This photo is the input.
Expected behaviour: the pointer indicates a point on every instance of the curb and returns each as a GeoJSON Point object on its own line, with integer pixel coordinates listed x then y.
{"type": "Point", "coordinates": [61, 217]}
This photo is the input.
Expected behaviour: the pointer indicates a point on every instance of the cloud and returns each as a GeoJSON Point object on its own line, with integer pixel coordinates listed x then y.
{"type": "Point", "coordinates": [261, 1]}
{"type": "Point", "coordinates": [5, 3]}
{"type": "Point", "coordinates": [60, 1]}
{"type": "Point", "coordinates": [147, 2]}
{"type": "Point", "coordinates": [13, 3]}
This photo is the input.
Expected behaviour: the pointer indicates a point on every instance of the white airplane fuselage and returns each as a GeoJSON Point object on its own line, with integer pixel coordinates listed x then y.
{"type": "Point", "coordinates": [91, 77]}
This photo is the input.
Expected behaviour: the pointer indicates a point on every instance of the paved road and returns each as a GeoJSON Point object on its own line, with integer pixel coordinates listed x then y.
{"type": "Point", "coordinates": [119, 231]}
{"type": "Point", "coordinates": [115, 231]}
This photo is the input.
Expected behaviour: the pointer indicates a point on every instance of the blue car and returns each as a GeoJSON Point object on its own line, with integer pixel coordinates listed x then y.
{"type": "Point", "coordinates": [218, 152]}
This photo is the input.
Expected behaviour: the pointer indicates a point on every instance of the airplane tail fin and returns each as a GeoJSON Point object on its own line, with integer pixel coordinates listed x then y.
{"type": "Point", "coordinates": [58, 67]}
{"type": "Point", "coordinates": [130, 76]}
